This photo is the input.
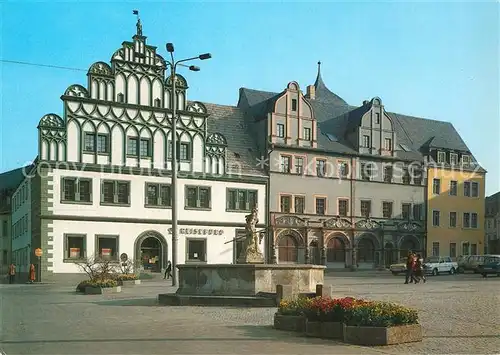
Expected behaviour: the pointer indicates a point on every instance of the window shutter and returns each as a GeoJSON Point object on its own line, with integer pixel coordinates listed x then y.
{"type": "Point", "coordinates": [247, 200]}
{"type": "Point", "coordinates": [77, 190]}
{"type": "Point", "coordinates": [102, 191]}
{"type": "Point", "coordinates": [186, 200]}
{"type": "Point", "coordinates": [228, 199]}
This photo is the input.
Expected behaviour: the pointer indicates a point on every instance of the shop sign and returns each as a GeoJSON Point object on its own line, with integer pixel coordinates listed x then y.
{"type": "Point", "coordinates": [198, 231]}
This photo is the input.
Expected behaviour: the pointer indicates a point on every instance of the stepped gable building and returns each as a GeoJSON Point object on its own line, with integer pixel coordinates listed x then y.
{"type": "Point", "coordinates": [101, 187]}
{"type": "Point", "coordinates": [348, 185]}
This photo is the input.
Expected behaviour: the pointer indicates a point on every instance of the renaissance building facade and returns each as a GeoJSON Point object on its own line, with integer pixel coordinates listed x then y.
{"type": "Point", "coordinates": [101, 185]}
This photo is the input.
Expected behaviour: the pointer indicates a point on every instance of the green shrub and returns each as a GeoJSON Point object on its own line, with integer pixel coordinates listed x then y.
{"type": "Point", "coordinates": [126, 277]}
{"type": "Point", "coordinates": [381, 314]}
{"type": "Point", "coordinates": [95, 283]}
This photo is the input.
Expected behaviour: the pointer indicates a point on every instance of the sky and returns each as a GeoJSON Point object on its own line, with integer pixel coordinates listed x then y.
{"type": "Point", "coordinates": [427, 59]}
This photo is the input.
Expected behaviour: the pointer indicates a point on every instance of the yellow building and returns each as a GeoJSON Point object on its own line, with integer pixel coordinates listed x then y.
{"type": "Point", "coordinates": [456, 203]}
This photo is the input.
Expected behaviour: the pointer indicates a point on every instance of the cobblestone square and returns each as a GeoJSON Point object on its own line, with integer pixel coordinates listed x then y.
{"type": "Point", "coordinates": [459, 314]}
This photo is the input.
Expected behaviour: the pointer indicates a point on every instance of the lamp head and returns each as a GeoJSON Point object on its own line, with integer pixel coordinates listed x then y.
{"type": "Point", "coordinates": [205, 56]}
{"type": "Point", "coordinates": [170, 47]}
{"type": "Point", "coordinates": [194, 68]}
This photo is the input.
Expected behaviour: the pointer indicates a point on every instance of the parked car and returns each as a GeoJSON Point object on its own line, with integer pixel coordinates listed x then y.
{"type": "Point", "coordinates": [462, 261]}
{"type": "Point", "coordinates": [472, 263]}
{"type": "Point", "coordinates": [436, 265]}
{"type": "Point", "coordinates": [491, 265]}
{"type": "Point", "coordinates": [398, 268]}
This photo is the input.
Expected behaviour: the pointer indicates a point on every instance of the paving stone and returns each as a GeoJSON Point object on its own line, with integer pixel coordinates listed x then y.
{"type": "Point", "coordinates": [459, 315]}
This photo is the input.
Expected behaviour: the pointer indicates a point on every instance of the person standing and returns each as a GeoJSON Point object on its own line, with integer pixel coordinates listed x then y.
{"type": "Point", "coordinates": [32, 273]}
{"type": "Point", "coordinates": [419, 267]}
{"type": "Point", "coordinates": [12, 273]}
{"type": "Point", "coordinates": [409, 268]}
{"type": "Point", "coordinates": [168, 271]}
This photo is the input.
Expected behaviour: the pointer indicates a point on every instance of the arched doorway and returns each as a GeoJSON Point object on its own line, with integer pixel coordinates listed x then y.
{"type": "Point", "coordinates": [390, 254]}
{"type": "Point", "coordinates": [366, 251]}
{"type": "Point", "coordinates": [151, 251]}
{"type": "Point", "coordinates": [407, 244]}
{"type": "Point", "coordinates": [335, 250]}
{"type": "Point", "coordinates": [288, 249]}
{"type": "Point", "coordinates": [314, 253]}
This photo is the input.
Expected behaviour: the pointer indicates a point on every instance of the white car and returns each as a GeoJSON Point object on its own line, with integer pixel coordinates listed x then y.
{"type": "Point", "coordinates": [436, 265]}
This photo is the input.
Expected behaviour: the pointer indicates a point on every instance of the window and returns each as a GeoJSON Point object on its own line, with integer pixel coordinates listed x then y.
{"type": "Point", "coordinates": [320, 205]}
{"type": "Point", "coordinates": [388, 144]}
{"type": "Point", "coordinates": [294, 104]}
{"type": "Point", "coordinates": [285, 164]}
{"type": "Point", "coordinates": [453, 159]}
{"type": "Point", "coordinates": [102, 143]}
{"type": "Point", "coordinates": [198, 197]}
{"type": "Point", "coordinates": [474, 189]}
{"type": "Point", "coordinates": [307, 133]}
{"type": "Point", "coordinates": [343, 207]}
{"type": "Point", "coordinates": [280, 130]}
{"type": "Point", "coordinates": [115, 192]}
{"type": "Point", "coordinates": [300, 203]}
{"type": "Point", "coordinates": [436, 186]}
{"type": "Point", "coordinates": [285, 203]}
{"type": "Point", "coordinates": [417, 212]}
{"type": "Point", "coordinates": [107, 247]}
{"type": "Point", "coordinates": [320, 167]}
{"type": "Point", "coordinates": [453, 188]}
{"type": "Point", "coordinates": [405, 210]}
{"type": "Point", "coordinates": [139, 147]}
{"type": "Point", "coordinates": [89, 142]}
{"type": "Point", "coordinates": [417, 176]}
{"type": "Point", "coordinates": [473, 220]}
{"type": "Point", "coordinates": [377, 118]}
{"type": "Point", "coordinates": [435, 249]}
{"type": "Point", "coordinates": [74, 246]}
{"type": "Point", "coordinates": [241, 200]}
{"type": "Point", "coordinates": [343, 169]}
{"type": "Point", "coordinates": [387, 209]}
{"type": "Point", "coordinates": [441, 156]}
{"type": "Point", "coordinates": [465, 159]}
{"type": "Point", "coordinates": [366, 207]}
{"type": "Point", "coordinates": [435, 218]}
{"type": "Point", "coordinates": [76, 190]}
{"type": "Point", "coordinates": [4, 228]}
{"type": "Point", "coordinates": [366, 171]}
{"type": "Point", "coordinates": [465, 248]}
{"type": "Point", "coordinates": [406, 176]}
{"type": "Point", "coordinates": [467, 188]}
{"type": "Point", "coordinates": [388, 173]}
{"type": "Point", "coordinates": [453, 250]}
{"type": "Point", "coordinates": [158, 195]}
{"type": "Point", "coordinates": [473, 249]}
{"type": "Point", "coordinates": [196, 250]}
{"type": "Point", "coordinates": [453, 219]}
{"type": "Point", "coordinates": [238, 244]}
{"type": "Point", "coordinates": [366, 142]}
{"type": "Point", "coordinates": [183, 151]}
{"type": "Point", "coordinates": [466, 220]}
{"type": "Point", "coordinates": [299, 165]}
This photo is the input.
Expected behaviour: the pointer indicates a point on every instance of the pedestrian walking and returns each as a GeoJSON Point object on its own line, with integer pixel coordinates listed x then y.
{"type": "Point", "coordinates": [419, 269]}
{"type": "Point", "coordinates": [32, 273]}
{"type": "Point", "coordinates": [168, 271]}
{"type": "Point", "coordinates": [409, 268]}
{"type": "Point", "coordinates": [12, 273]}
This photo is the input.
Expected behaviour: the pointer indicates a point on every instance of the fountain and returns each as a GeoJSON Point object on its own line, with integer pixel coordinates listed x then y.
{"type": "Point", "coordinates": [250, 282]}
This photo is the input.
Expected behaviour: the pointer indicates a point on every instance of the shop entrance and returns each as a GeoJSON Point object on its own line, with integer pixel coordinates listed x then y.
{"type": "Point", "coordinates": [151, 254]}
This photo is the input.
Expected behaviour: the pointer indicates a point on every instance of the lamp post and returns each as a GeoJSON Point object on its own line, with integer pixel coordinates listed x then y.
{"type": "Point", "coordinates": [173, 67]}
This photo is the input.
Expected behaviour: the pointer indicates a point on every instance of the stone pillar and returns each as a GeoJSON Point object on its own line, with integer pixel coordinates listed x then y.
{"type": "Point", "coordinates": [274, 258]}
{"type": "Point", "coordinates": [323, 255]}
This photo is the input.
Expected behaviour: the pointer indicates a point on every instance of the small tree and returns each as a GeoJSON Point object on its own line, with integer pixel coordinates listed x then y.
{"type": "Point", "coordinates": [129, 266]}
{"type": "Point", "coordinates": [97, 269]}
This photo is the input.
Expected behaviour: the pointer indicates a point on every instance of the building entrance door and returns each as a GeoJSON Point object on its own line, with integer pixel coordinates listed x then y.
{"type": "Point", "coordinates": [151, 254]}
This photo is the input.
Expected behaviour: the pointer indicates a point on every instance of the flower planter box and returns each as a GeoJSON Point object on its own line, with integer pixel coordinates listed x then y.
{"type": "Point", "coordinates": [130, 283]}
{"type": "Point", "coordinates": [383, 336]}
{"type": "Point", "coordinates": [289, 322]}
{"type": "Point", "coordinates": [313, 329]}
{"type": "Point", "coordinates": [326, 330]}
{"type": "Point", "coordinates": [102, 290]}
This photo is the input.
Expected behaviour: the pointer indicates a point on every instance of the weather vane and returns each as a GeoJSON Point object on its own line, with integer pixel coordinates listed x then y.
{"type": "Point", "coordinates": [138, 25]}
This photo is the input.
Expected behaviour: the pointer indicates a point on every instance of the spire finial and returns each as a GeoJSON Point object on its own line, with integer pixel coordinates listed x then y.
{"type": "Point", "coordinates": [138, 24]}
{"type": "Point", "coordinates": [319, 67]}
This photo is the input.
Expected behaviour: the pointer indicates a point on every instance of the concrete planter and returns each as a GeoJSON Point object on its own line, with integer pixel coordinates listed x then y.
{"type": "Point", "coordinates": [102, 290]}
{"type": "Point", "coordinates": [326, 330]}
{"type": "Point", "coordinates": [383, 336]}
{"type": "Point", "coordinates": [130, 283]}
{"type": "Point", "coordinates": [289, 322]}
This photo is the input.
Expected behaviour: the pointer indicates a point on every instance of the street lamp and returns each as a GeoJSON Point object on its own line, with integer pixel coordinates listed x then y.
{"type": "Point", "coordinates": [173, 66]}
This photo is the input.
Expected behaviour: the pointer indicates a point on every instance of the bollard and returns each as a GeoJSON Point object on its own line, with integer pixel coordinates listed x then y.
{"type": "Point", "coordinates": [283, 292]}
{"type": "Point", "coordinates": [323, 291]}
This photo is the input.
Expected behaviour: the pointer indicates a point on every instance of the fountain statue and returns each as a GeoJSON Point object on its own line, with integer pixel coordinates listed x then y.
{"type": "Point", "coordinates": [251, 253]}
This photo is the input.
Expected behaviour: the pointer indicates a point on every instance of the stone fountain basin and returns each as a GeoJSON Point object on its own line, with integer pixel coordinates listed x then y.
{"type": "Point", "coordinates": [247, 279]}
